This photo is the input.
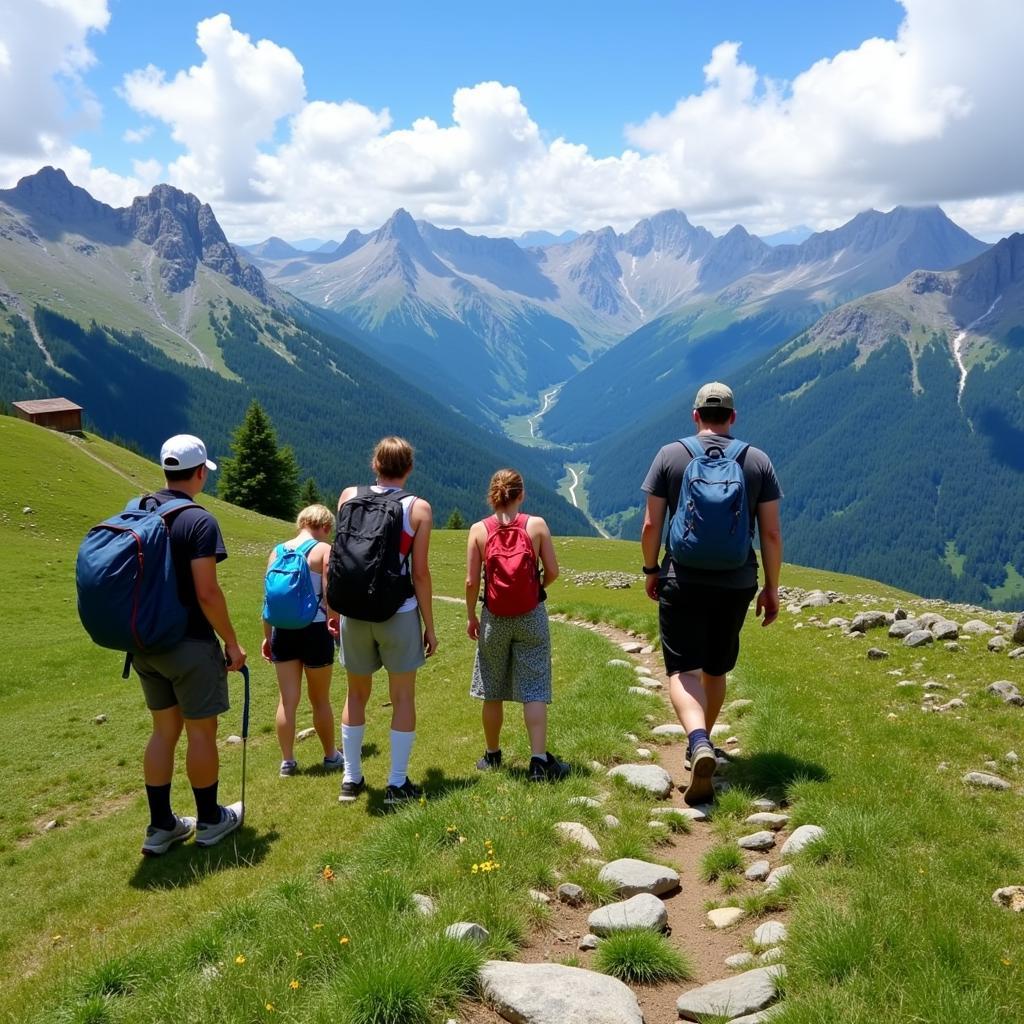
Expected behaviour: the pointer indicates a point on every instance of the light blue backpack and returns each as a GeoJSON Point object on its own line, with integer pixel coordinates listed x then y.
{"type": "Point", "coordinates": [289, 600]}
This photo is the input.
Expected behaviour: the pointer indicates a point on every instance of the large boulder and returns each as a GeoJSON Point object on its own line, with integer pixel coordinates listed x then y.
{"type": "Point", "coordinates": [732, 997]}
{"type": "Point", "coordinates": [998, 644]}
{"type": "Point", "coordinates": [903, 627]}
{"type": "Point", "coordinates": [945, 629]}
{"type": "Point", "coordinates": [630, 876]}
{"type": "Point", "coordinates": [642, 911]}
{"type": "Point", "coordinates": [919, 638]}
{"type": "Point", "coordinates": [1007, 691]}
{"type": "Point", "coordinates": [555, 994]}
{"type": "Point", "coordinates": [863, 621]}
{"type": "Point", "coordinates": [1017, 636]}
{"type": "Point", "coordinates": [977, 627]}
{"type": "Point", "coordinates": [651, 778]}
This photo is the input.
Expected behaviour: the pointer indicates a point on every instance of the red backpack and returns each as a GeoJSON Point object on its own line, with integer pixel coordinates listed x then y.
{"type": "Point", "coordinates": [512, 580]}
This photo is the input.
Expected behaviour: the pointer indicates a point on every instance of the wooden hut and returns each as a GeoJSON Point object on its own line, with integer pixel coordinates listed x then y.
{"type": "Point", "coordinates": [53, 413]}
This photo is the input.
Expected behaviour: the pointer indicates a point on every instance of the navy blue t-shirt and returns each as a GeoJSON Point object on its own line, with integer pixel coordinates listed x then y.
{"type": "Point", "coordinates": [194, 534]}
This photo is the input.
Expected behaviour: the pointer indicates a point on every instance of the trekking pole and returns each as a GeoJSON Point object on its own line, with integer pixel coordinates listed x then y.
{"type": "Point", "coordinates": [245, 732]}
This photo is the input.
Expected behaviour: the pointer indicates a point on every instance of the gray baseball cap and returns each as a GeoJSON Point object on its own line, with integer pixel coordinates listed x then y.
{"type": "Point", "coordinates": [714, 396]}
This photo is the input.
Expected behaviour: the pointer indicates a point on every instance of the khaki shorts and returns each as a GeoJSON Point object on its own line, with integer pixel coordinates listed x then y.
{"type": "Point", "coordinates": [192, 676]}
{"type": "Point", "coordinates": [396, 644]}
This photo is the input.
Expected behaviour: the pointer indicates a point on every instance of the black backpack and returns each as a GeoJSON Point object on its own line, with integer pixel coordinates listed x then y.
{"type": "Point", "coordinates": [365, 578]}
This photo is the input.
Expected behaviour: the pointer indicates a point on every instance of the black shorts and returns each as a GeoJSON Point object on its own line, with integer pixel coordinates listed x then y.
{"type": "Point", "coordinates": [312, 645]}
{"type": "Point", "coordinates": [700, 625]}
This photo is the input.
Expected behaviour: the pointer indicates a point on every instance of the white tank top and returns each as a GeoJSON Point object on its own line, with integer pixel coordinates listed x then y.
{"type": "Point", "coordinates": [410, 603]}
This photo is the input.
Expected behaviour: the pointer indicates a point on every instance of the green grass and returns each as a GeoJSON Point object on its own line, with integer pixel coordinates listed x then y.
{"type": "Point", "coordinates": [642, 957]}
{"type": "Point", "coordinates": [720, 860]}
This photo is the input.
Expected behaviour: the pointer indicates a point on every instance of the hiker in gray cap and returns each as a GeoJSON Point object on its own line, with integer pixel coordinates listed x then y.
{"type": "Point", "coordinates": [714, 489]}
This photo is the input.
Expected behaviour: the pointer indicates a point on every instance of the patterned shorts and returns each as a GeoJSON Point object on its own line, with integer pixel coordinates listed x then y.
{"type": "Point", "coordinates": [513, 657]}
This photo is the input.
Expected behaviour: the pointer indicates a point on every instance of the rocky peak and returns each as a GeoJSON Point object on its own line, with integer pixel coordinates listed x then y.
{"type": "Point", "coordinates": [984, 279]}
{"type": "Point", "coordinates": [49, 192]}
{"type": "Point", "coordinates": [732, 256]}
{"type": "Point", "coordinates": [668, 231]}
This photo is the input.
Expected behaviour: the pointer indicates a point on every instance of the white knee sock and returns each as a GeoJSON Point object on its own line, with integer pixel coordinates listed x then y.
{"type": "Point", "coordinates": [352, 750]}
{"type": "Point", "coordinates": [401, 748]}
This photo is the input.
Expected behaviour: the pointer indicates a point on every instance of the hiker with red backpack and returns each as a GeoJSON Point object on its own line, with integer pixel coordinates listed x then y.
{"type": "Point", "coordinates": [513, 655]}
{"type": "Point", "coordinates": [295, 635]}
{"type": "Point", "coordinates": [379, 597]}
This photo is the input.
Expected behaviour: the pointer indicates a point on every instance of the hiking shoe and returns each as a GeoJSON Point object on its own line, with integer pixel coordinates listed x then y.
{"type": "Point", "coordinates": [160, 840]}
{"type": "Point", "coordinates": [402, 794]}
{"type": "Point", "coordinates": [719, 752]}
{"type": "Point", "coordinates": [490, 761]}
{"type": "Point", "coordinates": [351, 791]}
{"type": "Point", "coordinates": [230, 819]}
{"type": "Point", "coordinates": [333, 764]}
{"type": "Point", "coordinates": [288, 768]}
{"type": "Point", "coordinates": [548, 768]}
{"type": "Point", "coordinates": [701, 789]}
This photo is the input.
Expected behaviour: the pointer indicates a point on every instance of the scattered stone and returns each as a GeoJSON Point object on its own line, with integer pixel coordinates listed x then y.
{"type": "Point", "coordinates": [650, 683]}
{"type": "Point", "coordinates": [651, 778]}
{"type": "Point", "coordinates": [902, 628]}
{"type": "Point", "coordinates": [904, 683]}
{"type": "Point", "coordinates": [649, 649]}
{"type": "Point", "coordinates": [640, 691]}
{"type": "Point", "coordinates": [764, 804]}
{"type": "Point", "coordinates": [976, 627]}
{"type": "Point", "coordinates": [633, 738]}
{"type": "Point", "coordinates": [899, 613]}
{"type": "Point", "coordinates": [588, 942]}
{"type": "Point", "coordinates": [927, 618]}
{"type": "Point", "coordinates": [740, 960]}
{"type": "Point", "coordinates": [757, 841]}
{"type": "Point", "coordinates": [768, 820]}
{"type": "Point", "coordinates": [51, 825]}
{"type": "Point", "coordinates": [726, 917]}
{"type": "Point", "coordinates": [584, 801]}
{"type": "Point", "coordinates": [642, 670]}
{"type": "Point", "coordinates": [630, 876]}
{"type": "Point", "coordinates": [985, 781]}
{"type": "Point", "coordinates": [1011, 757]}
{"type": "Point", "coordinates": [772, 956]}
{"type": "Point", "coordinates": [641, 911]}
{"type": "Point", "coordinates": [644, 754]}
{"type": "Point", "coordinates": [1007, 691]}
{"type": "Point", "coordinates": [877, 654]}
{"type": "Point", "coordinates": [771, 933]}
{"type": "Point", "coordinates": [540, 898]}
{"type": "Point", "coordinates": [424, 904]}
{"type": "Point", "coordinates": [619, 663]}
{"type": "Point", "coordinates": [774, 879]}
{"type": "Point", "coordinates": [574, 832]}
{"type": "Point", "coordinates": [596, 766]}
{"type": "Point", "coordinates": [669, 729]}
{"type": "Point", "coordinates": [864, 621]}
{"type": "Point", "coordinates": [998, 643]}
{"type": "Point", "coordinates": [1011, 897]}
{"type": "Point", "coordinates": [730, 998]}
{"type": "Point", "coordinates": [732, 741]}
{"type": "Point", "coordinates": [1017, 652]}
{"type": "Point", "coordinates": [632, 647]}
{"type": "Point", "coordinates": [952, 646]}
{"type": "Point", "coordinates": [720, 729]}
{"type": "Point", "coordinates": [933, 685]}
{"type": "Point", "coordinates": [658, 826]}
{"type": "Point", "coordinates": [556, 994]}
{"type": "Point", "coordinates": [945, 629]}
{"type": "Point", "coordinates": [758, 871]}
{"type": "Point", "coordinates": [919, 638]}
{"type": "Point", "coordinates": [99, 719]}
{"type": "Point", "coordinates": [467, 931]}
{"type": "Point", "coordinates": [1018, 630]}
{"type": "Point", "coordinates": [950, 705]}
{"type": "Point", "coordinates": [800, 838]}
{"type": "Point", "coordinates": [234, 741]}
{"type": "Point", "coordinates": [994, 765]}
{"type": "Point", "coordinates": [305, 734]}
{"type": "Point", "coordinates": [838, 622]}
{"type": "Point", "coordinates": [611, 821]}
{"type": "Point", "coordinates": [570, 893]}
{"type": "Point", "coordinates": [693, 813]}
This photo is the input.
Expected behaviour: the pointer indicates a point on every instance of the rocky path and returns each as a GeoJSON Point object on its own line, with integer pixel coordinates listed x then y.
{"type": "Point", "coordinates": [747, 986]}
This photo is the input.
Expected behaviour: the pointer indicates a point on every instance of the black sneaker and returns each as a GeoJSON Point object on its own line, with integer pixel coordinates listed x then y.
{"type": "Point", "coordinates": [402, 794]}
{"type": "Point", "coordinates": [548, 768]}
{"type": "Point", "coordinates": [490, 761]}
{"type": "Point", "coordinates": [719, 752]}
{"type": "Point", "coordinates": [701, 788]}
{"type": "Point", "coordinates": [351, 791]}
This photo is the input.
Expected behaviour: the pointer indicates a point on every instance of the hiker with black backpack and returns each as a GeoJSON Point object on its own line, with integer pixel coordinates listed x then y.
{"type": "Point", "coordinates": [714, 490]}
{"type": "Point", "coordinates": [513, 654]}
{"type": "Point", "coordinates": [378, 591]}
{"type": "Point", "coordinates": [147, 584]}
{"type": "Point", "coordinates": [295, 635]}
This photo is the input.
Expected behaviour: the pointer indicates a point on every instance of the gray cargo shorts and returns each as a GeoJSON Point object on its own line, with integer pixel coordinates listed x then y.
{"type": "Point", "coordinates": [192, 675]}
{"type": "Point", "coordinates": [396, 644]}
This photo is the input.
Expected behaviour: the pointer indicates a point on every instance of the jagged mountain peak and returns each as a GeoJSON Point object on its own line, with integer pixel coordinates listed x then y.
{"type": "Point", "coordinates": [399, 227]}
{"type": "Point", "coordinates": [51, 193]}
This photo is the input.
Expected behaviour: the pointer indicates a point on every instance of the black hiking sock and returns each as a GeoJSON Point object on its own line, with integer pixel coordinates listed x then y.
{"type": "Point", "coordinates": [207, 808]}
{"type": "Point", "coordinates": [160, 813]}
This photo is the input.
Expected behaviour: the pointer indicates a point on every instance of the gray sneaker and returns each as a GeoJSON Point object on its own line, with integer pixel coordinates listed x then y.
{"type": "Point", "coordinates": [288, 768]}
{"type": "Point", "coordinates": [336, 763]}
{"type": "Point", "coordinates": [230, 819]}
{"type": "Point", "coordinates": [160, 840]}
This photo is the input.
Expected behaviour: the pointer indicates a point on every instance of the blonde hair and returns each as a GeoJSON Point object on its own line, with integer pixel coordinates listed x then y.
{"type": "Point", "coordinates": [506, 487]}
{"type": "Point", "coordinates": [315, 517]}
{"type": "Point", "coordinates": [392, 458]}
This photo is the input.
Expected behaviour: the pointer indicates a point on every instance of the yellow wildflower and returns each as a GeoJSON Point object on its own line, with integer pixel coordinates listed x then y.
{"type": "Point", "coordinates": [269, 1007]}
{"type": "Point", "coordinates": [328, 873]}
{"type": "Point", "coordinates": [240, 959]}
{"type": "Point", "coordinates": [294, 984]}
{"type": "Point", "coordinates": [317, 927]}
{"type": "Point", "coordinates": [475, 868]}
{"type": "Point", "coordinates": [343, 939]}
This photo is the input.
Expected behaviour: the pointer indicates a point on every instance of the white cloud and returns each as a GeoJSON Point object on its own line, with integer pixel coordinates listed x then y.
{"type": "Point", "coordinates": [136, 135]}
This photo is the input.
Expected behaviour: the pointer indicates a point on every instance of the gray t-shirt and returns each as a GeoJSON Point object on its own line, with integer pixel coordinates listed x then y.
{"type": "Point", "coordinates": [665, 480]}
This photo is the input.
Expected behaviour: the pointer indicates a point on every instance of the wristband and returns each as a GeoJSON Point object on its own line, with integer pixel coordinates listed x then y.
{"type": "Point", "coordinates": [649, 571]}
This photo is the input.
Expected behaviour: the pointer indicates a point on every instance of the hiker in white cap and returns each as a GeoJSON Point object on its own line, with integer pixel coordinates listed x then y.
{"type": "Point", "coordinates": [186, 687]}
{"type": "Point", "coordinates": [714, 489]}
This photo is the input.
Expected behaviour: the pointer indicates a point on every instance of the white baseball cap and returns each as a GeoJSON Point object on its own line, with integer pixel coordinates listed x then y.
{"type": "Point", "coordinates": [183, 451]}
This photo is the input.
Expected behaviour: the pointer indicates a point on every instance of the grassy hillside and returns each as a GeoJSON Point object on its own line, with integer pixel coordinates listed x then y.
{"type": "Point", "coordinates": [93, 933]}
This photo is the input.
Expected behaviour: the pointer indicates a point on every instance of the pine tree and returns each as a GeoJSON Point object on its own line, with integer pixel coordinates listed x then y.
{"type": "Point", "coordinates": [261, 476]}
{"type": "Point", "coordinates": [310, 494]}
{"type": "Point", "coordinates": [456, 521]}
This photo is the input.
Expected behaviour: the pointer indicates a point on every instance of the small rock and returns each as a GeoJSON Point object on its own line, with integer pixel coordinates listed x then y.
{"type": "Point", "coordinates": [732, 741]}
{"type": "Point", "coordinates": [976, 627]}
{"type": "Point", "coordinates": [693, 813]}
{"type": "Point", "coordinates": [877, 654]}
{"type": "Point", "coordinates": [1018, 630]}
{"type": "Point", "coordinates": [864, 621]}
{"type": "Point", "coordinates": [596, 766]}
{"type": "Point", "coordinates": [570, 893]}
{"type": "Point", "coordinates": [950, 705]}
{"type": "Point", "coordinates": [618, 663]}
{"type": "Point", "coordinates": [740, 960]}
{"type": "Point", "coordinates": [641, 911]}
{"type": "Point", "coordinates": [952, 646]}
{"type": "Point", "coordinates": [1011, 897]}
{"type": "Point", "coordinates": [838, 622]}
{"type": "Point", "coordinates": [734, 997]}
{"type": "Point", "coordinates": [51, 825]}
{"type": "Point", "coordinates": [904, 683]}
{"type": "Point", "coordinates": [640, 691]}
{"type": "Point", "coordinates": [99, 719]}
{"type": "Point", "coordinates": [540, 898]}
{"type": "Point", "coordinates": [589, 941]}
{"type": "Point", "coordinates": [758, 871]}
{"type": "Point", "coordinates": [584, 801]}
{"type": "Point", "coordinates": [644, 754]}
{"type": "Point", "coordinates": [998, 643]}
{"type": "Point", "coordinates": [945, 629]}
{"type": "Point", "coordinates": [994, 765]}
{"type": "Point", "coordinates": [642, 670]}
{"type": "Point", "coordinates": [772, 956]}
{"type": "Point", "coordinates": [764, 804]}
{"type": "Point", "coordinates": [575, 832]}
{"type": "Point", "coordinates": [649, 649]}
{"type": "Point", "coordinates": [632, 737]}
{"type": "Point", "coordinates": [1011, 757]}
{"type": "Point", "coordinates": [774, 879]}
{"type": "Point", "coordinates": [932, 685]}
{"type": "Point", "coordinates": [424, 904]}
{"type": "Point", "coordinates": [762, 840]}
{"type": "Point", "coordinates": [766, 819]}
{"type": "Point", "coordinates": [771, 933]}
{"type": "Point", "coordinates": [632, 647]}
{"type": "Point", "coordinates": [1017, 652]}
{"type": "Point", "coordinates": [720, 729]}
{"type": "Point", "coordinates": [919, 638]}
{"type": "Point", "coordinates": [611, 821]}
{"type": "Point", "coordinates": [651, 778]}
{"type": "Point", "coordinates": [1007, 691]}
{"type": "Point", "coordinates": [898, 614]}
{"type": "Point", "coordinates": [467, 931]}
{"type": "Point", "coordinates": [800, 838]}
{"type": "Point", "coordinates": [234, 741]}
{"type": "Point", "coordinates": [669, 729]}
{"type": "Point", "coordinates": [630, 876]}
{"type": "Point", "coordinates": [903, 628]}
{"type": "Point", "coordinates": [726, 917]}
{"type": "Point", "coordinates": [305, 734]}
{"type": "Point", "coordinates": [985, 781]}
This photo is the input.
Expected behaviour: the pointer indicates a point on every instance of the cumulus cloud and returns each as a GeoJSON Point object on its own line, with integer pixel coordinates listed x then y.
{"type": "Point", "coordinates": [136, 135]}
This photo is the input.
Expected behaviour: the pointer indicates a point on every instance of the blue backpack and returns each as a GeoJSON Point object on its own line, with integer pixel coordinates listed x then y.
{"type": "Point", "coordinates": [289, 600]}
{"type": "Point", "coordinates": [127, 588]}
{"type": "Point", "coordinates": [711, 525]}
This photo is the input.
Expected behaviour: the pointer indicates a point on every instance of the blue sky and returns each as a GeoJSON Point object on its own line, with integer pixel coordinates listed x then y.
{"type": "Point", "coordinates": [310, 118]}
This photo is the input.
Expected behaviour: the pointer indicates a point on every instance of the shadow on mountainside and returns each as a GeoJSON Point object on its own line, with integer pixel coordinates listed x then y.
{"type": "Point", "coordinates": [771, 773]}
{"type": "Point", "coordinates": [188, 864]}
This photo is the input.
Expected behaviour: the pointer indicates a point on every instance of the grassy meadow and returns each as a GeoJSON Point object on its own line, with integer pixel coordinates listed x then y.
{"type": "Point", "coordinates": [891, 915]}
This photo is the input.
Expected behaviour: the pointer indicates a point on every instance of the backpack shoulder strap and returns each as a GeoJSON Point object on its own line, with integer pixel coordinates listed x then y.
{"type": "Point", "coordinates": [491, 525]}
{"type": "Point", "coordinates": [306, 546]}
{"type": "Point", "coordinates": [174, 506]}
{"type": "Point", "coordinates": [736, 449]}
{"type": "Point", "coordinates": [693, 446]}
